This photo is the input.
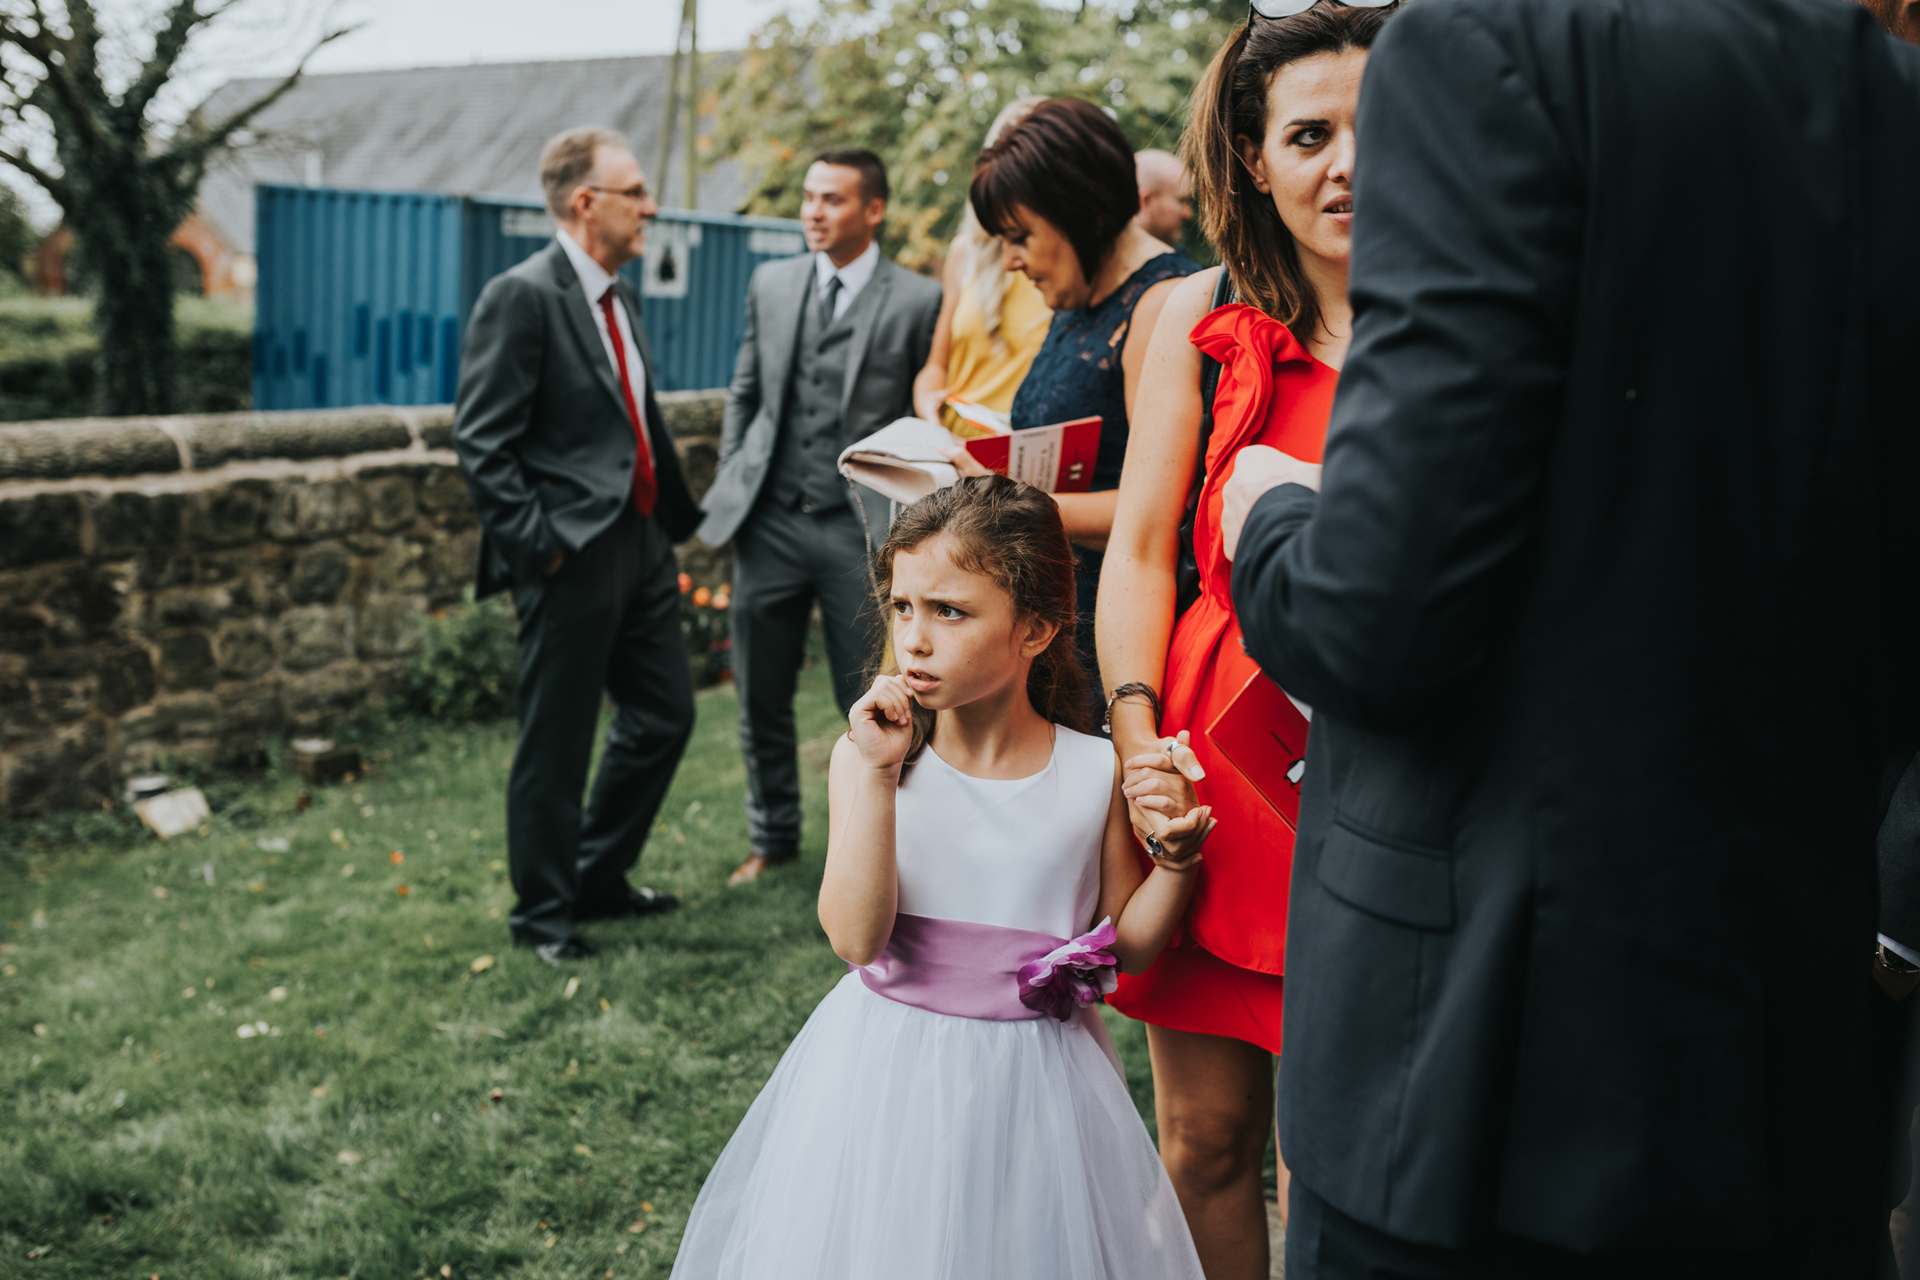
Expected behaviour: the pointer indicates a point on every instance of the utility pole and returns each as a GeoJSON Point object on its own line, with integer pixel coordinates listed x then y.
{"type": "Point", "coordinates": [690, 19]}
{"type": "Point", "coordinates": [685, 39]}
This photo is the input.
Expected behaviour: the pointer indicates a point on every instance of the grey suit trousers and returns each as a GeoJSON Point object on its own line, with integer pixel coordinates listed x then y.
{"type": "Point", "coordinates": [784, 560]}
{"type": "Point", "coordinates": [609, 621]}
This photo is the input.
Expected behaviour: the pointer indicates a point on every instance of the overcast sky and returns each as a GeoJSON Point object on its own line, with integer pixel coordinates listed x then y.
{"type": "Point", "coordinates": [266, 37]}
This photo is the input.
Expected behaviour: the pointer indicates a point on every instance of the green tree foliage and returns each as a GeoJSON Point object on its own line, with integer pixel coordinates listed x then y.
{"type": "Point", "coordinates": [919, 81]}
{"type": "Point", "coordinates": [123, 178]}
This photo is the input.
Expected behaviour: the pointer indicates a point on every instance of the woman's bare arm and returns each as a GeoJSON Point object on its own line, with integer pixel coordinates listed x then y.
{"type": "Point", "coordinates": [1134, 622]}
{"type": "Point", "coordinates": [930, 384]}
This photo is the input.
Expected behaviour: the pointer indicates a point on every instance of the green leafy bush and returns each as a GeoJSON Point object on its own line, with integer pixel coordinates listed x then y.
{"type": "Point", "coordinates": [468, 664]}
{"type": "Point", "coordinates": [49, 357]}
{"type": "Point", "coordinates": [709, 632]}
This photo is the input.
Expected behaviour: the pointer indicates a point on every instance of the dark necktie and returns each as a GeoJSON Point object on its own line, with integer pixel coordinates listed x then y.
{"type": "Point", "coordinates": [645, 487]}
{"type": "Point", "coordinates": [828, 300]}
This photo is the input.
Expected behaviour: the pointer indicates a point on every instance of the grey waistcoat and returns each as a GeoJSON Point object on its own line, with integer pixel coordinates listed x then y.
{"type": "Point", "coordinates": [804, 473]}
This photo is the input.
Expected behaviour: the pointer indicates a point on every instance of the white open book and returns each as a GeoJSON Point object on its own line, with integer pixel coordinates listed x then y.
{"type": "Point", "coordinates": [905, 460]}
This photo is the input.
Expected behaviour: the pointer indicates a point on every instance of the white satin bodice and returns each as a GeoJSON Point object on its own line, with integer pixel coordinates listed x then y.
{"type": "Point", "coordinates": [1022, 853]}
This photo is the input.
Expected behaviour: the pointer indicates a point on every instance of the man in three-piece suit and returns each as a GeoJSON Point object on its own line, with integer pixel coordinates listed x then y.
{"type": "Point", "coordinates": [833, 341]}
{"type": "Point", "coordinates": [581, 499]}
{"type": "Point", "coordinates": [1606, 609]}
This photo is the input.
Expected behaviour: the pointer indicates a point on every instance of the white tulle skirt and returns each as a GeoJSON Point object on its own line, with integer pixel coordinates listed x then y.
{"type": "Point", "coordinates": [896, 1144]}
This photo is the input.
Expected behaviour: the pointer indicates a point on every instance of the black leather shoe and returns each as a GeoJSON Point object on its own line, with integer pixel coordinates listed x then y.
{"type": "Point", "coordinates": [559, 953]}
{"type": "Point", "coordinates": [637, 902]}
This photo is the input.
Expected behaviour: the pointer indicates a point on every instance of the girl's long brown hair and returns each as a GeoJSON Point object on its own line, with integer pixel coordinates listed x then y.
{"type": "Point", "coordinates": [1230, 102]}
{"type": "Point", "coordinates": [1011, 534]}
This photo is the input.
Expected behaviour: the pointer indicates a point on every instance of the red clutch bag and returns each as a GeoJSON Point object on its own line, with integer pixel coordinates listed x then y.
{"type": "Point", "coordinates": [1263, 735]}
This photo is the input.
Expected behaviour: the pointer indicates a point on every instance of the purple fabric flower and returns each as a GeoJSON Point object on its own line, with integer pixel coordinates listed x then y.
{"type": "Point", "coordinates": [1076, 974]}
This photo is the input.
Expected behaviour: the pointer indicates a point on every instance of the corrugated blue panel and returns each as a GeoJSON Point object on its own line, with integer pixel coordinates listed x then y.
{"type": "Point", "coordinates": [343, 274]}
{"type": "Point", "coordinates": [363, 296]}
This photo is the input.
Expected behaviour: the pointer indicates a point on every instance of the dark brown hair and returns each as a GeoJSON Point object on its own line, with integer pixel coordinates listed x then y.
{"type": "Point", "coordinates": [873, 170]}
{"type": "Point", "coordinates": [1010, 533]}
{"type": "Point", "coordinates": [1230, 102]}
{"type": "Point", "coordinates": [1066, 162]}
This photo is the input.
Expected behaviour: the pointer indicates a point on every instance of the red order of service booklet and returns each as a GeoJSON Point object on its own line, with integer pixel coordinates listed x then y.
{"type": "Point", "coordinates": [1263, 735]}
{"type": "Point", "coordinates": [1057, 458]}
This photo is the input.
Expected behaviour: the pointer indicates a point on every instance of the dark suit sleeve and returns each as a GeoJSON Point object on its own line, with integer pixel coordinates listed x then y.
{"type": "Point", "coordinates": [1386, 590]}
{"type": "Point", "coordinates": [1900, 862]}
{"type": "Point", "coordinates": [499, 374]}
{"type": "Point", "coordinates": [743, 393]}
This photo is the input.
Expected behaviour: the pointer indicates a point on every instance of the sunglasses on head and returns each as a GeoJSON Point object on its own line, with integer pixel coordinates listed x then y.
{"type": "Point", "coordinates": [1287, 8]}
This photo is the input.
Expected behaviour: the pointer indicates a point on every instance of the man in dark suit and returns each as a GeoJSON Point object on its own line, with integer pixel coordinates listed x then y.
{"type": "Point", "coordinates": [833, 341]}
{"type": "Point", "coordinates": [1607, 614]}
{"type": "Point", "coordinates": [580, 499]}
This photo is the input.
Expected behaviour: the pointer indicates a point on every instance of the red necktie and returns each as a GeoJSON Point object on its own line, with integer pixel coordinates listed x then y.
{"type": "Point", "coordinates": [645, 488]}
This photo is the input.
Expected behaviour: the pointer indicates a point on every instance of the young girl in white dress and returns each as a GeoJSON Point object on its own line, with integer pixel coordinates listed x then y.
{"type": "Point", "coordinates": [952, 1110]}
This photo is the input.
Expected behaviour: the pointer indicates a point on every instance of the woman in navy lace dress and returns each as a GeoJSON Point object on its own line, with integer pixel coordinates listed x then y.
{"type": "Point", "coordinates": [1059, 189]}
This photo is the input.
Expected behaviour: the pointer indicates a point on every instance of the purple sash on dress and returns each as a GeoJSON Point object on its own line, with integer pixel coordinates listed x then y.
{"type": "Point", "coordinates": [971, 970]}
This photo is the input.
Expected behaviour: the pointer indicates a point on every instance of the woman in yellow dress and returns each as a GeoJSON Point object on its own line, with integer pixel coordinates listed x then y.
{"type": "Point", "coordinates": [992, 321]}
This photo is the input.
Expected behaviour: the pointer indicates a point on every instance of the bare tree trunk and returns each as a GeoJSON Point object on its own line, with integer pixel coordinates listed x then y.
{"type": "Point", "coordinates": [133, 316]}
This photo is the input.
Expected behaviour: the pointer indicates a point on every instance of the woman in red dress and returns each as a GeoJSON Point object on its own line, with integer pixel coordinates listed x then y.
{"type": "Point", "coordinates": [1270, 144]}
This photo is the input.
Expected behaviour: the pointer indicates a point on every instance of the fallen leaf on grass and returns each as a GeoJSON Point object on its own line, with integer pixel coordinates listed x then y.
{"type": "Point", "coordinates": [278, 993]}
{"type": "Point", "coordinates": [396, 857]}
{"type": "Point", "coordinates": [582, 1149]}
{"type": "Point", "coordinates": [319, 1091]}
{"type": "Point", "coordinates": [573, 986]}
{"type": "Point", "coordinates": [347, 870]}
{"type": "Point", "coordinates": [338, 836]}
{"type": "Point", "coordinates": [40, 1029]}
{"type": "Point", "coordinates": [190, 993]}
{"type": "Point", "coordinates": [481, 965]}
{"type": "Point", "coordinates": [402, 891]}
{"type": "Point", "coordinates": [257, 886]}
{"type": "Point", "coordinates": [646, 1206]}
{"type": "Point", "coordinates": [606, 1005]}
{"type": "Point", "coordinates": [636, 1228]}
{"type": "Point", "coordinates": [159, 893]}
{"type": "Point", "coordinates": [446, 1269]}
{"type": "Point", "coordinates": [348, 1157]}
{"type": "Point", "coordinates": [496, 1094]}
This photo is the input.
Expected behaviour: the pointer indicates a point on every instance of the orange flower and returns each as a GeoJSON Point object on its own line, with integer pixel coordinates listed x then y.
{"type": "Point", "coordinates": [700, 597]}
{"type": "Point", "coordinates": [686, 583]}
{"type": "Point", "coordinates": [396, 857]}
{"type": "Point", "coordinates": [402, 891]}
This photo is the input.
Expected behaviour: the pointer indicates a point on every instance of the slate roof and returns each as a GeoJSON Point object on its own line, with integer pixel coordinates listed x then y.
{"type": "Point", "coordinates": [473, 130]}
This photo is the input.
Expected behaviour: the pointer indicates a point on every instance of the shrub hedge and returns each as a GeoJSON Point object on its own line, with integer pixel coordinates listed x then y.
{"type": "Point", "coordinates": [49, 357]}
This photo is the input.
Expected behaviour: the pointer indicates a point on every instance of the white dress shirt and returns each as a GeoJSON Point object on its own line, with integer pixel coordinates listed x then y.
{"type": "Point", "coordinates": [595, 281]}
{"type": "Point", "coordinates": [853, 277]}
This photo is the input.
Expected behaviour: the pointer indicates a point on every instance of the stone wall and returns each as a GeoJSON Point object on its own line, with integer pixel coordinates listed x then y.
{"type": "Point", "coordinates": [202, 587]}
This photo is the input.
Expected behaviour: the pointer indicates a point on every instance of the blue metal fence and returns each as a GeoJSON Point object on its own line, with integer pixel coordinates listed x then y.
{"type": "Point", "coordinates": [363, 296]}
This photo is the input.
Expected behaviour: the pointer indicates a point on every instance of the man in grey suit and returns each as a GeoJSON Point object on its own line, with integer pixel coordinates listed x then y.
{"type": "Point", "coordinates": [832, 343]}
{"type": "Point", "coordinates": [580, 499]}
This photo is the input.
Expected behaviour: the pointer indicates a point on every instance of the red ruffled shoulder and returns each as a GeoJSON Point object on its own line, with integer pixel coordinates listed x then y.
{"type": "Point", "coordinates": [1239, 334]}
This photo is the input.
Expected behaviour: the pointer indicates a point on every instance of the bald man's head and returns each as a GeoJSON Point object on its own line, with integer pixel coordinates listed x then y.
{"type": "Point", "coordinates": [1166, 195]}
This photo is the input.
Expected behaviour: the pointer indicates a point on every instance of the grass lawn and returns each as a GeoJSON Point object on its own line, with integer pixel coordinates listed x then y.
{"type": "Point", "coordinates": [424, 1099]}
